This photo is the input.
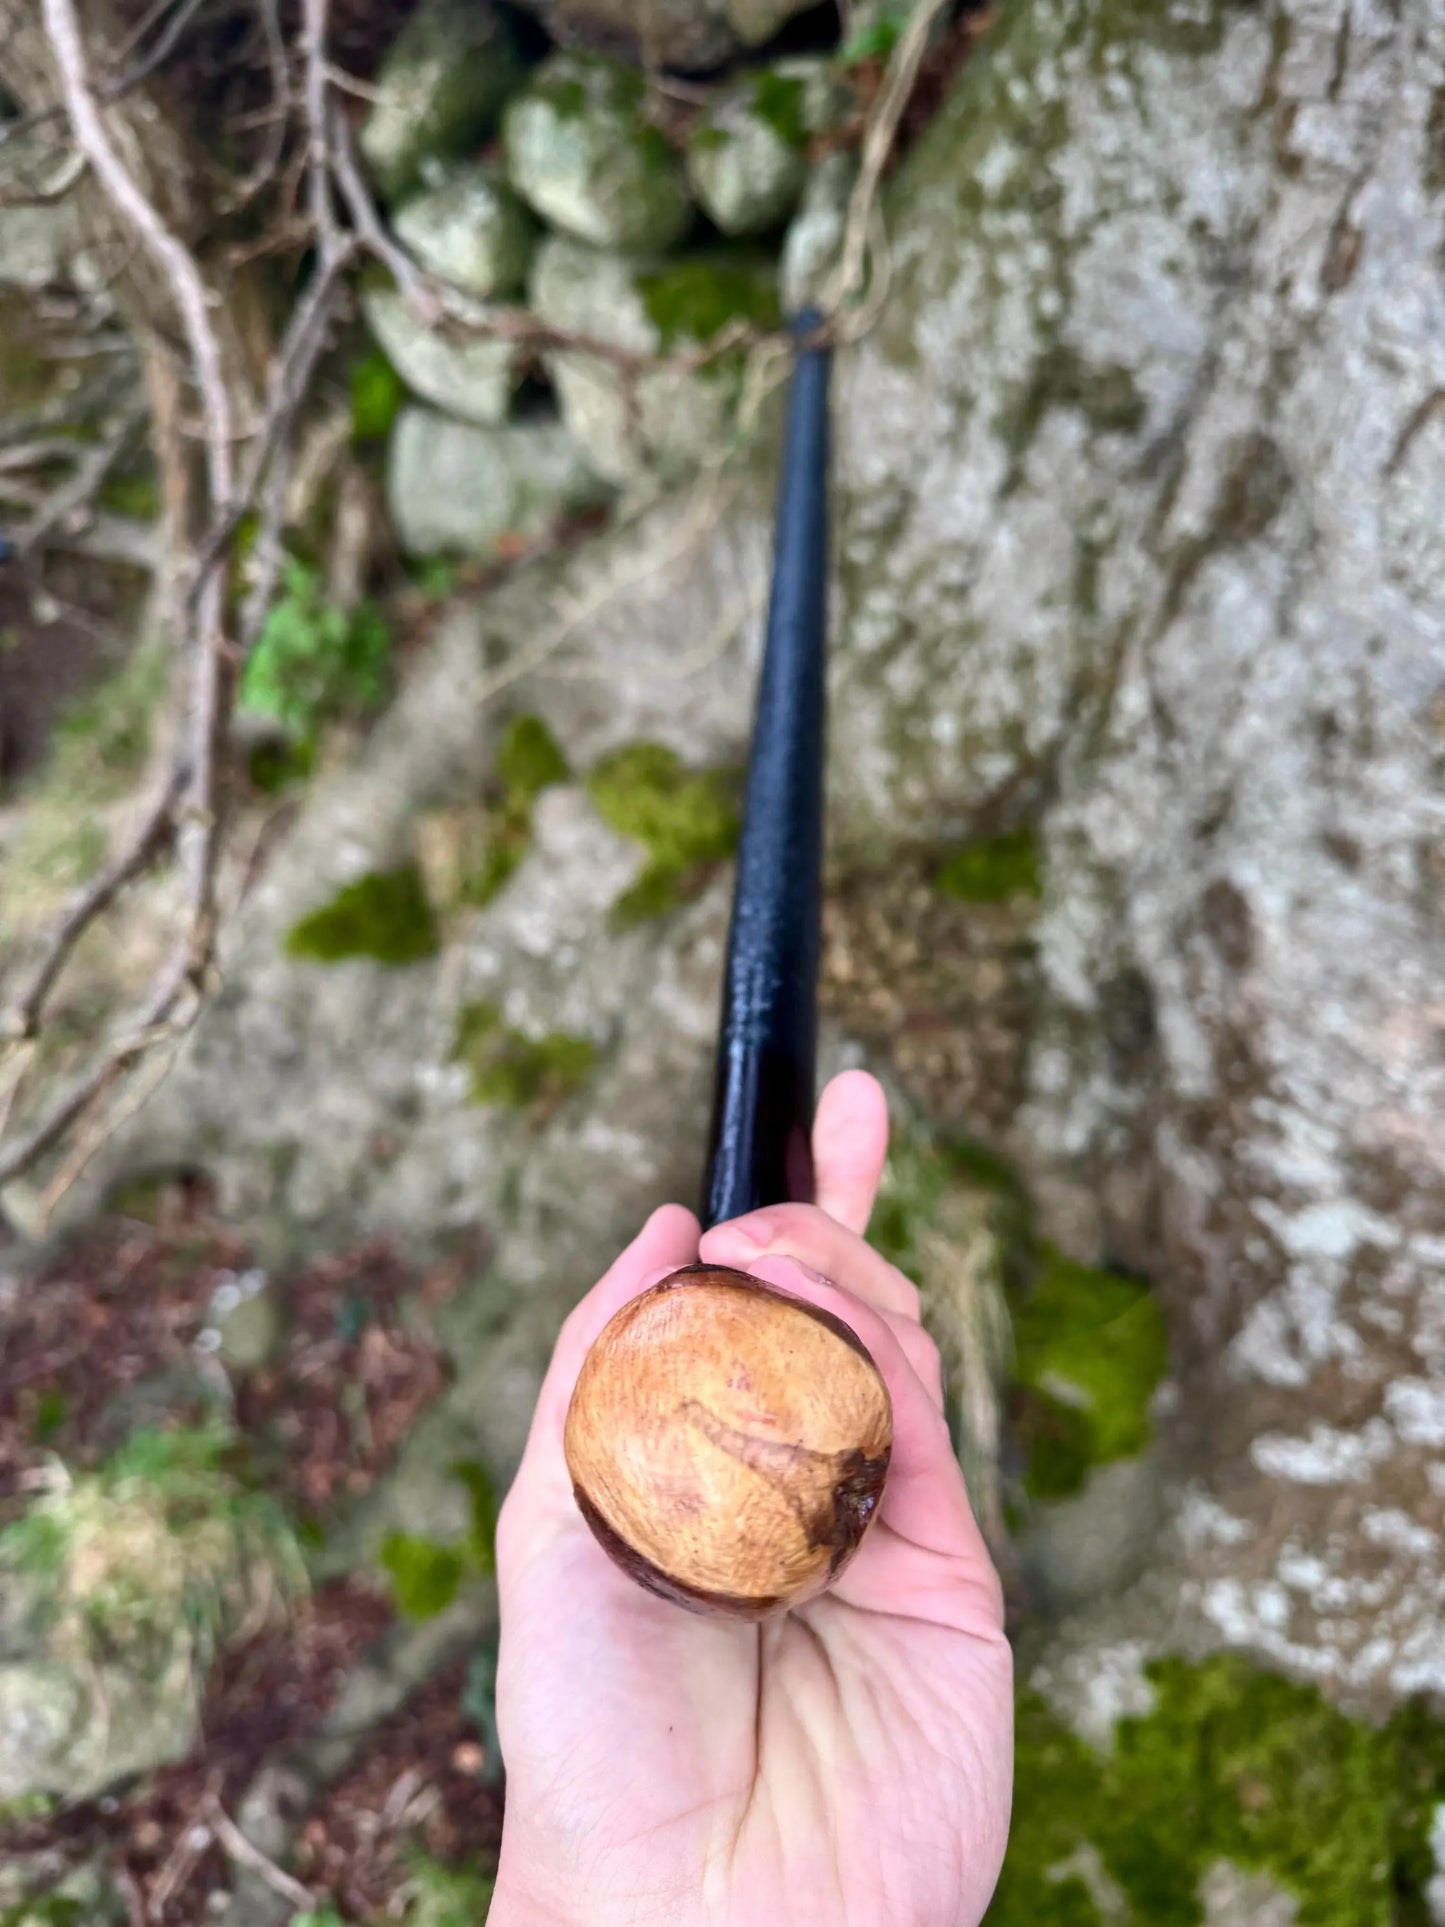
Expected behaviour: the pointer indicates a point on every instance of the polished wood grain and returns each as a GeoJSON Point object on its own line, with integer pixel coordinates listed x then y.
{"type": "Point", "coordinates": [728, 1444]}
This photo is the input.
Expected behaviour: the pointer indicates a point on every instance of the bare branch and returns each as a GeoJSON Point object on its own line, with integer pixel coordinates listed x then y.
{"type": "Point", "coordinates": [23, 124]}
{"type": "Point", "coordinates": [93, 1083]}
{"type": "Point", "coordinates": [318, 158]}
{"type": "Point", "coordinates": [192, 299]}
{"type": "Point", "coordinates": [287, 388]}
{"type": "Point", "coordinates": [91, 901]}
{"type": "Point", "coordinates": [165, 45]}
{"type": "Point", "coordinates": [193, 810]}
{"type": "Point", "coordinates": [62, 504]}
{"type": "Point", "coordinates": [240, 1848]}
{"type": "Point", "coordinates": [278, 115]}
{"type": "Point", "coordinates": [878, 142]}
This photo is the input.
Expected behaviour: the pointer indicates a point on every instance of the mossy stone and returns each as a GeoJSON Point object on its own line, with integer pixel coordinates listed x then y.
{"type": "Point", "coordinates": [440, 89]}
{"type": "Point", "coordinates": [1232, 1763]}
{"type": "Point", "coordinates": [471, 230]}
{"type": "Point", "coordinates": [1089, 1346]}
{"type": "Point", "coordinates": [690, 301]}
{"type": "Point", "coordinates": [583, 154]}
{"type": "Point", "coordinates": [747, 155]}
{"type": "Point", "coordinates": [686, 820]}
{"type": "Point", "coordinates": [385, 916]}
{"type": "Point", "coordinates": [471, 378]}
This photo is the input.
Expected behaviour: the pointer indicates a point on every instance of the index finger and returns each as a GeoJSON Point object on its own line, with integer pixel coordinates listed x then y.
{"type": "Point", "coordinates": [665, 1243]}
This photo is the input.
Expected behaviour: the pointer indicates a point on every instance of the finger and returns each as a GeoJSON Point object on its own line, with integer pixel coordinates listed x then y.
{"type": "Point", "coordinates": [850, 1147]}
{"type": "Point", "coordinates": [921, 1353]}
{"type": "Point", "coordinates": [815, 1239]}
{"type": "Point", "coordinates": [665, 1243]}
{"type": "Point", "coordinates": [925, 1500]}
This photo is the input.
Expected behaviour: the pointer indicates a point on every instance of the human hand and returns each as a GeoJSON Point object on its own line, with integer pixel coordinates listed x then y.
{"type": "Point", "coordinates": [847, 1764]}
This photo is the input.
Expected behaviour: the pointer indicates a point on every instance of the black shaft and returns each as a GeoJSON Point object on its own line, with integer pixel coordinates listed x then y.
{"type": "Point", "coordinates": [767, 1047]}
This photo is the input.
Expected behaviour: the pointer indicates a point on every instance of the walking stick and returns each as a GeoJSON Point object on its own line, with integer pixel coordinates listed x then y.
{"type": "Point", "coordinates": [728, 1444]}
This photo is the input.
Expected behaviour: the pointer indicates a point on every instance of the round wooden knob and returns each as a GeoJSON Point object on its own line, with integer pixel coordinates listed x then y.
{"type": "Point", "coordinates": [728, 1444]}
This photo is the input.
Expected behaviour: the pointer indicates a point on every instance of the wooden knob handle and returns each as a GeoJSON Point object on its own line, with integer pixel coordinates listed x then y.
{"type": "Point", "coordinates": [728, 1444]}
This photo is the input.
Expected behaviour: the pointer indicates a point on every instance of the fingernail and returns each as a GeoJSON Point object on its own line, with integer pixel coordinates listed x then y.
{"type": "Point", "coordinates": [756, 1229]}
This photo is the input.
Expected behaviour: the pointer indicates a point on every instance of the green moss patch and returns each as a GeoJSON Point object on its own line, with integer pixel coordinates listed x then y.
{"type": "Point", "coordinates": [692, 300]}
{"type": "Point", "coordinates": [994, 870]}
{"type": "Point", "coordinates": [377, 396]}
{"type": "Point", "coordinates": [512, 1069]}
{"type": "Point", "coordinates": [875, 39]}
{"type": "Point", "coordinates": [920, 1179]}
{"type": "Point", "coordinates": [1232, 1763]}
{"type": "Point", "coordinates": [780, 100]}
{"type": "Point", "coordinates": [1090, 1348]}
{"type": "Point", "coordinates": [686, 820]}
{"type": "Point", "coordinates": [315, 663]}
{"type": "Point", "coordinates": [384, 916]}
{"type": "Point", "coordinates": [529, 760]}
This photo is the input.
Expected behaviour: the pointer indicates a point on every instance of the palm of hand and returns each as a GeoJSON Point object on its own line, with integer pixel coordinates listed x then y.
{"type": "Point", "coordinates": [844, 1765]}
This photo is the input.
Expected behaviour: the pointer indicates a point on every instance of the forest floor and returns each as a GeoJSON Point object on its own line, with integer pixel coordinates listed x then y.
{"type": "Point", "coordinates": [103, 1339]}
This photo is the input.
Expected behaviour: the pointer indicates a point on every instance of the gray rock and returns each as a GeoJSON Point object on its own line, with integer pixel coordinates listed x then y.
{"type": "Point", "coordinates": [675, 416]}
{"type": "Point", "coordinates": [72, 1736]}
{"type": "Point", "coordinates": [1219, 1092]}
{"type": "Point", "coordinates": [1097, 1542]}
{"type": "Point", "coordinates": [471, 230]}
{"type": "Point", "coordinates": [41, 1707]}
{"type": "Point", "coordinates": [690, 35]}
{"type": "Point", "coordinates": [814, 238]}
{"type": "Point", "coordinates": [582, 152]}
{"type": "Point", "coordinates": [455, 488]}
{"type": "Point", "coordinates": [440, 89]}
{"type": "Point", "coordinates": [472, 379]}
{"type": "Point", "coordinates": [747, 156]}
